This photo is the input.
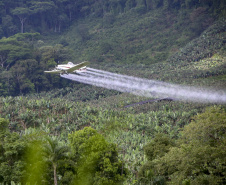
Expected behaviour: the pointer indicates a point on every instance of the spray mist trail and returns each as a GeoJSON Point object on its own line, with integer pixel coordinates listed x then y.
{"type": "Point", "coordinates": [162, 89]}
{"type": "Point", "coordinates": [106, 83]}
{"type": "Point", "coordinates": [126, 77]}
{"type": "Point", "coordinates": [147, 88]}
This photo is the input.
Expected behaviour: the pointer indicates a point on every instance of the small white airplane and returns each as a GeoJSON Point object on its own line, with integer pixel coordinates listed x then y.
{"type": "Point", "coordinates": [69, 68]}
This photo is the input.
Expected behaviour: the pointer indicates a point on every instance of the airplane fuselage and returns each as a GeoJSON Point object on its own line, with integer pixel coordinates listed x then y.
{"type": "Point", "coordinates": [65, 67]}
{"type": "Point", "coordinates": [69, 68]}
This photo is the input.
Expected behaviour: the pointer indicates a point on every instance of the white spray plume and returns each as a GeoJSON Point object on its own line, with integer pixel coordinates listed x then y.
{"type": "Point", "coordinates": [147, 88]}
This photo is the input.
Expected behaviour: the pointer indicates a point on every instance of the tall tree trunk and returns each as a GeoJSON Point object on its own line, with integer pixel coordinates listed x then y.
{"type": "Point", "coordinates": [70, 14]}
{"type": "Point", "coordinates": [55, 175]}
{"type": "Point", "coordinates": [55, 29]}
{"type": "Point", "coordinates": [22, 27]}
{"type": "Point", "coordinates": [2, 60]}
{"type": "Point", "coordinates": [22, 20]}
{"type": "Point", "coordinates": [59, 27]}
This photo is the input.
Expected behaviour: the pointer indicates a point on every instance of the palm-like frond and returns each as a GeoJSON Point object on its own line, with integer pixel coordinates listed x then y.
{"type": "Point", "coordinates": [54, 151]}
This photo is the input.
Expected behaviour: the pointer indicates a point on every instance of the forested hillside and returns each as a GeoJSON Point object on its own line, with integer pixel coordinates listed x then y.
{"type": "Point", "coordinates": [57, 15]}
{"type": "Point", "coordinates": [106, 33]}
{"type": "Point", "coordinates": [57, 131]}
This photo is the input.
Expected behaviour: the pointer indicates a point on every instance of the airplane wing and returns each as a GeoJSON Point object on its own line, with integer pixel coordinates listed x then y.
{"type": "Point", "coordinates": [53, 71]}
{"type": "Point", "coordinates": [78, 66]}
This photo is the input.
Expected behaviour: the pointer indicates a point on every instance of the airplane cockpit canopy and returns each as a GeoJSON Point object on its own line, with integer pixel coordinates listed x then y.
{"type": "Point", "coordinates": [70, 63]}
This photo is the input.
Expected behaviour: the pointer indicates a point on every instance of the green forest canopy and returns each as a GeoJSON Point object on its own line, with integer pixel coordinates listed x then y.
{"type": "Point", "coordinates": [198, 156]}
{"type": "Point", "coordinates": [56, 15]}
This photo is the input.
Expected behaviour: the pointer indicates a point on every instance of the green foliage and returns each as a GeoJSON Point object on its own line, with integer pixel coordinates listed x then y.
{"type": "Point", "coordinates": [22, 13]}
{"type": "Point", "coordinates": [207, 128]}
{"type": "Point", "coordinates": [14, 48]}
{"type": "Point", "coordinates": [53, 152]}
{"type": "Point", "coordinates": [35, 164]}
{"type": "Point", "coordinates": [153, 37]}
{"type": "Point", "coordinates": [55, 16]}
{"type": "Point", "coordinates": [58, 53]}
{"type": "Point", "coordinates": [4, 125]}
{"type": "Point", "coordinates": [134, 37]}
{"type": "Point", "coordinates": [158, 147]}
{"type": "Point", "coordinates": [36, 158]}
{"type": "Point", "coordinates": [119, 33]}
{"type": "Point", "coordinates": [22, 64]}
{"type": "Point", "coordinates": [46, 159]}
{"type": "Point", "coordinates": [204, 46]}
{"type": "Point", "coordinates": [12, 149]}
{"type": "Point", "coordinates": [130, 129]}
{"type": "Point", "coordinates": [97, 159]}
{"type": "Point", "coordinates": [199, 157]}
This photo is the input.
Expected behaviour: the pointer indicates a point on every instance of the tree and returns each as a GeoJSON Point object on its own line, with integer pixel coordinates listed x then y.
{"type": "Point", "coordinates": [8, 26]}
{"type": "Point", "coordinates": [53, 153]}
{"type": "Point", "coordinates": [46, 158]}
{"type": "Point", "coordinates": [12, 148]}
{"type": "Point", "coordinates": [18, 70]}
{"type": "Point", "coordinates": [23, 73]}
{"type": "Point", "coordinates": [157, 148]}
{"type": "Point", "coordinates": [3, 125]}
{"type": "Point", "coordinates": [57, 52]}
{"type": "Point", "coordinates": [62, 18]}
{"type": "Point", "coordinates": [15, 48]}
{"type": "Point", "coordinates": [22, 13]}
{"type": "Point", "coordinates": [7, 53]}
{"type": "Point", "coordinates": [200, 157]}
{"type": "Point", "coordinates": [83, 32]}
{"type": "Point", "coordinates": [97, 159]}
{"type": "Point", "coordinates": [130, 4]}
{"type": "Point", "coordinates": [44, 10]}
{"type": "Point", "coordinates": [35, 165]}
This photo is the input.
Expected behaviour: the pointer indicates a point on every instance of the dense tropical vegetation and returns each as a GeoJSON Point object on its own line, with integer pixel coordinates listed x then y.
{"type": "Point", "coordinates": [55, 131]}
{"type": "Point", "coordinates": [198, 156]}
{"type": "Point", "coordinates": [38, 158]}
{"type": "Point", "coordinates": [57, 15]}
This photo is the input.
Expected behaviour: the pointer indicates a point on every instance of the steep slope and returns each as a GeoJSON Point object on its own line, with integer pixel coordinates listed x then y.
{"type": "Point", "coordinates": [135, 37]}
{"type": "Point", "coordinates": [201, 61]}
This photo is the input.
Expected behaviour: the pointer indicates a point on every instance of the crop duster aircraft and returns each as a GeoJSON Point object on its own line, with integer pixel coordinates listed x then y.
{"type": "Point", "coordinates": [69, 68]}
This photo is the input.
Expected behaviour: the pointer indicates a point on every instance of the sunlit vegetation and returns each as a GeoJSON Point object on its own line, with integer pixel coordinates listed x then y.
{"type": "Point", "coordinates": [36, 158]}
{"type": "Point", "coordinates": [129, 129]}
{"type": "Point", "coordinates": [197, 158]}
